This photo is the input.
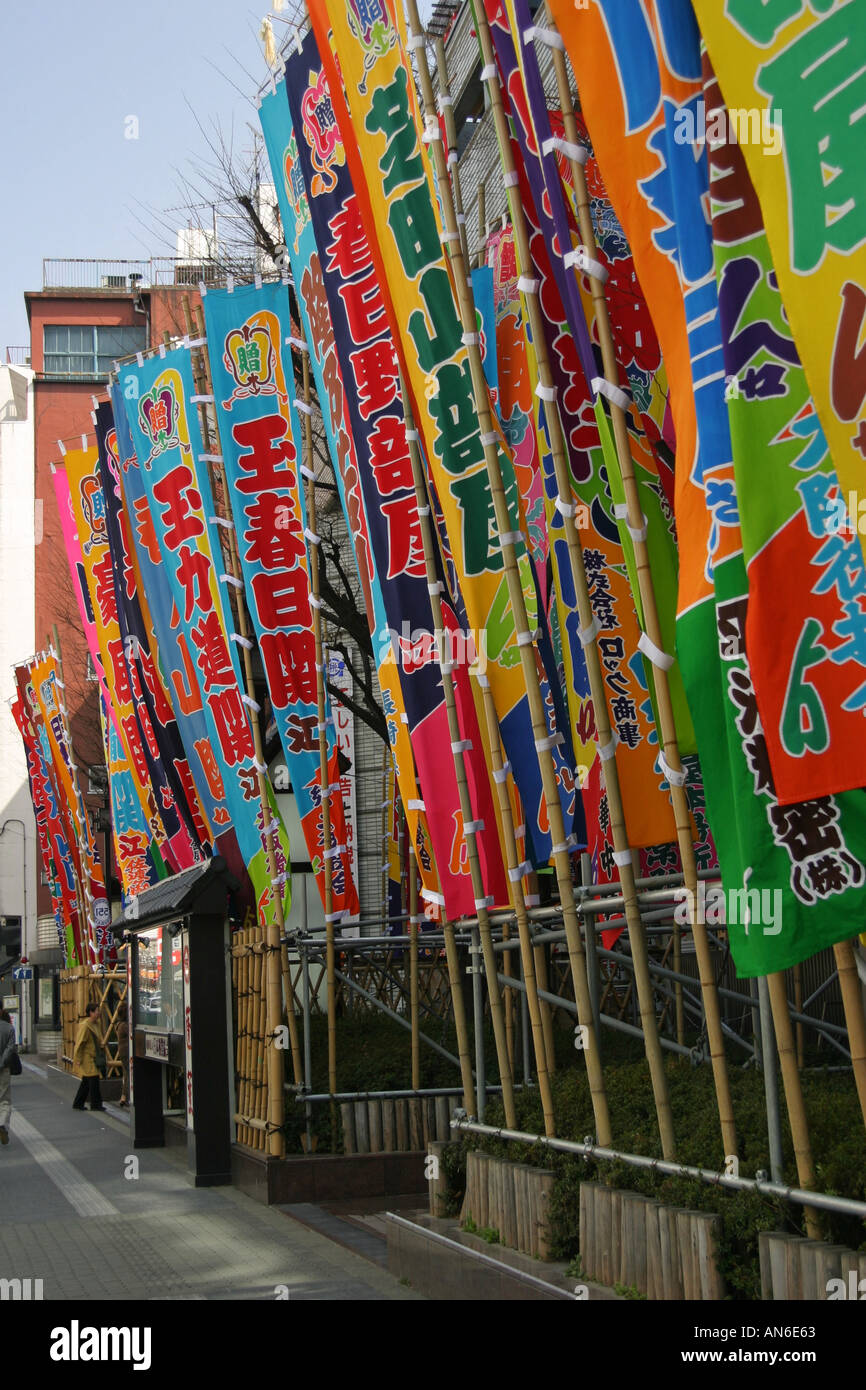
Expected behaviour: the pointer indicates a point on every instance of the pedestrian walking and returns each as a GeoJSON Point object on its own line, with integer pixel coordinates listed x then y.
{"type": "Point", "coordinates": [7, 1049]}
{"type": "Point", "coordinates": [123, 1051]}
{"type": "Point", "coordinates": [88, 1060]}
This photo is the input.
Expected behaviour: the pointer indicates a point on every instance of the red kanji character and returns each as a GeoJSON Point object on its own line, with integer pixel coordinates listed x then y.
{"type": "Point", "coordinates": [389, 455]}
{"type": "Point", "coordinates": [405, 546]}
{"type": "Point", "coordinates": [333, 384]}
{"type": "Point", "coordinates": [118, 675]}
{"type": "Point", "coordinates": [161, 707]}
{"type": "Point", "coordinates": [248, 781]}
{"type": "Point", "coordinates": [132, 738]}
{"type": "Point", "coordinates": [180, 502]}
{"type": "Point", "coordinates": [186, 692]}
{"type": "Point", "coordinates": [273, 534]}
{"type": "Point", "coordinates": [316, 302]}
{"type": "Point", "coordinates": [270, 449]}
{"type": "Point", "coordinates": [104, 592]}
{"type": "Point", "coordinates": [185, 775]}
{"type": "Point", "coordinates": [233, 731]}
{"type": "Point", "coordinates": [193, 573]}
{"type": "Point", "coordinates": [128, 571]}
{"type": "Point", "coordinates": [365, 308]}
{"type": "Point", "coordinates": [290, 663]}
{"type": "Point", "coordinates": [376, 375]}
{"type": "Point", "coordinates": [210, 768]}
{"type": "Point", "coordinates": [283, 599]}
{"type": "Point", "coordinates": [214, 660]}
{"type": "Point", "coordinates": [146, 530]}
{"type": "Point", "coordinates": [349, 251]}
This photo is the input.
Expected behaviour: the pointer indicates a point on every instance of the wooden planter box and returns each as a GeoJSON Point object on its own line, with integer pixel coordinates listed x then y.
{"type": "Point", "coordinates": [792, 1267]}
{"type": "Point", "coordinates": [663, 1252]}
{"type": "Point", "coordinates": [510, 1198]}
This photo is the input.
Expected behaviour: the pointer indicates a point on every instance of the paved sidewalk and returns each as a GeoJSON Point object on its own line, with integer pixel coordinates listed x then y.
{"type": "Point", "coordinates": [71, 1218]}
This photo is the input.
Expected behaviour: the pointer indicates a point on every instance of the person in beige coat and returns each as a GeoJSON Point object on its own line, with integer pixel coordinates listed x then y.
{"type": "Point", "coordinates": [88, 1060]}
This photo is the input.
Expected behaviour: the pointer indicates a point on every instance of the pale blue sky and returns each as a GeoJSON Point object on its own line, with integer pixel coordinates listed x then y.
{"type": "Point", "coordinates": [69, 75]}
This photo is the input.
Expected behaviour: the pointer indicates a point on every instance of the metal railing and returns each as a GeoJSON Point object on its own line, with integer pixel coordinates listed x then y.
{"type": "Point", "coordinates": [18, 356]}
{"type": "Point", "coordinates": [125, 276]}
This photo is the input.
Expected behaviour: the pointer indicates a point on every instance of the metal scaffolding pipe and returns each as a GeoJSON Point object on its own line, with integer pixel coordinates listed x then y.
{"type": "Point", "coordinates": [320, 1097]}
{"type": "Point", "coordinates": [847, 1206]}
{"type": "Point", "coordinates": [404, 1022]}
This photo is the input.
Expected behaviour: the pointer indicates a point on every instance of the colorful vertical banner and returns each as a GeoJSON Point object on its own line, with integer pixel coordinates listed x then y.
{"type": "Point", "coordinates": [129, 825]}
{"type": "Point", "coordinates": [55, 852]}
{"type": "Point", "coordinates": [807, 655]}
{"type": "Point", "coordinates": [159, 726]}
{"type": "Point", "coordinates": [793, 73]}
{"type": "Point", "coordinates": [374, 415]}
{"type": "Point", "coordinates": [171, 840]}
{"type": "Point", "coordinates": [248, 330]}
{"type": "Point", "coordinates": [363, 418]}
{"type": "Point", "coordinates": [796, 871]}
{"type": "Point", "coordinates": [396, 203]}
{"type": "Point", "coordinates": [340, 677]}
{"type": "Point", "coordinates": [170, 652]}
{"type": "Point", "coordinates": [168, 449]}
{"type": "Point", "coordinates": [95, 941]}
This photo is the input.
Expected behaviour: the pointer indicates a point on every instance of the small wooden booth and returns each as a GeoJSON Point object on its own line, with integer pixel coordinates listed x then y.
{"type": "Point", "coordinates": [182, 1073]}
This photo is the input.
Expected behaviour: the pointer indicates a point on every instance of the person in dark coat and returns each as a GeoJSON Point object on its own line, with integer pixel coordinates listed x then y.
{"type": "Point", "coordinates": [88, 1060]}
{"type": "Point", "coordinates": [7, 1047]}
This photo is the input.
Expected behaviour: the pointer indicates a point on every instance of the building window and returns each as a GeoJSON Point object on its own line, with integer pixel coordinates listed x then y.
{"type": "Point", "coordinates": [87, 349]}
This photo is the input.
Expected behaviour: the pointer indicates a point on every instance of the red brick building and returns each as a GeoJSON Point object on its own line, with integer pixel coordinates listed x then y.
{"type": "Point", "coordinates": [88, 315]}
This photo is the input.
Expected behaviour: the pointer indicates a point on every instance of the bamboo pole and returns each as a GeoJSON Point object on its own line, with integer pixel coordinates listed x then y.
{"type": "Point", "coordinates": [793, 1094]}
{"type": "Point", "coordinates": [276, 928]}
{"type": "Point", "coordinates": [446, 106]}
{"type": "Point", "coordinates": [623, 855]}
{"type": "Point", "coordinates": [482, 223]}
{"type": "Point", "coordinates": [459, 748]}
{"type": "Point", "coordinates": [414, 925]}
{"type": "Point", "coordinates": [852, 1003]}
{"type": "Point", "coordinates": [518, 900]}
{"type": "Point", "coordinates": [667, 730]}
{"type": "Point", "coordinates": [528, 651]}
{"type": "Point", "coordinates": [329, 849]}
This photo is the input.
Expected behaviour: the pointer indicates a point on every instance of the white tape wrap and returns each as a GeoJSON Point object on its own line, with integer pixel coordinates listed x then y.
{"type": "Point", "coordinates": [473, 827]}
{"type": "Point", "coordinates": [582, 259]}
{"type": "Point", "coordinates": [548, 36]}
{"type": "Point", "coordinates": [545, 393]}
{"type": "Point", "coordinates": [509, 538]}
{"type": "Point", "coordinates": [614, 394]}
{"type": "Point", "coordinates": [543, 745]}
{"type": "Point", "coordinates": [676, 779]}
{"type": "Point", "coordinates": [488, 72]}
{"type": "Point", "coordinates": [654, 654]}
{"type": "Point", "coordinates": [519, 870]}
{"type": "Point", "coordinates": [462, 745]}
{"type": "Point", "coordinates": [415, 805]}
{"type": "Point", "coordinates": [511, 178]}
{"type": "Point", "coordinates": [482, 904]}
{"type": "Point", "coordinates": [565, 846]}
{"type": "Point", "coordinates": [588, 634]}
{"type": "Point", "coordinates": [500, 774]}
{"type": "Point", "coordinates": [489, 437]}
{"type": "Point", "coordinates": [622, 858]}
{"type": "Point", "coordinates": [430, 897]}
{"type": "Point", "coordinates": [638, 533]}
{"type": "Point", "coordinates": [579, 153]}
{"type": "Point", "coordinates": [607, 751]}
{"type": "Point", "coordinates": [469, 339]}
{"type": "Point", "coordinates": [527, 285]}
